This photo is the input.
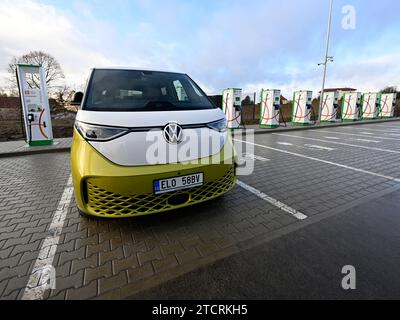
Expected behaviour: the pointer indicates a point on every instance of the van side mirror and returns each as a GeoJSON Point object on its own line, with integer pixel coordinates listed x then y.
{"type": "Point", "coordinates": [77, 99]}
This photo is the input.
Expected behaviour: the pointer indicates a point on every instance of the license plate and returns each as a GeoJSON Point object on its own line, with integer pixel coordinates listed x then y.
{"type": "Point", "coordinates": [178, 183]}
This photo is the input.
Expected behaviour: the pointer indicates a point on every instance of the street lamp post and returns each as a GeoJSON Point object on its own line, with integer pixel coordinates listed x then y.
{"type": "Point", "coordinates": [325, 63]}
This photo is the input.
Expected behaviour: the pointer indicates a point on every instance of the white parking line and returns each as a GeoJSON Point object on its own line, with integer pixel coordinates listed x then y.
{"type": "Point", "coordinates": [297, 214]}
{"type": "Point", "coordinates": [255, 157]}
{"type": "Point", "coordinates": [332, 138]}
{"type": "Point", "coordinates": [368, 133]}
{"type": "Point", "coordinates": [41, 274]}
{"type": "Point", "coordinates": [305, 146]}
{"type": "Point", "coordinates": [367, 140]}
{"type": "Point", "coordinates": [313, 146]}
{"type": "Point", "coordinates": [323, 161]}
{"type": "Point", "coordinates": [357, 135]}
{"type": "Point", "coordinates": [285, 143]}
{"type": "Point", "coordinates": [338, 143]}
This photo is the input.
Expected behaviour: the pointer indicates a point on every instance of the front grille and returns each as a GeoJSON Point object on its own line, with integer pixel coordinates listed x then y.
{"type": "Point", "coordinates": [109, 204]}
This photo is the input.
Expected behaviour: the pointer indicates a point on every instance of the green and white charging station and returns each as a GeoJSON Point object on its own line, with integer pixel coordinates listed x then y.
{"type": "Point", "coordinates": [35, 105]}
{"type": "Point", "coordinates": [351, 105]}
{"type": "Point", "coordinates": [388, 104]}
{"type": "Point", "coordinates": [232, 107]}
{"type": "Point", "coordinates": [330, 106]}
{"type": "Point", "coordinates": [270, 109]}
{"type": "Point", "coordinates": [370, 105]}
{"type": "Point", "coordinates": [302, 107]}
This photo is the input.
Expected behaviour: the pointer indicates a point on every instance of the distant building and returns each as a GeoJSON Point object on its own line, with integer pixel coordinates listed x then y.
{"type": "Point", "coordinates": [341, 91]}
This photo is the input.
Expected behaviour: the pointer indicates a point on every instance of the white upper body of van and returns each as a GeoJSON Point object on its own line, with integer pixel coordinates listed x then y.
{"type": "Point", "coordinates": [141, 117]}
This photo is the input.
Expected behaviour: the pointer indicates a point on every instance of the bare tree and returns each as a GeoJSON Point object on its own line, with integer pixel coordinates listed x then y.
{"type": "Point", "coordinates": [3, 93]}
{"type": "Point", "coordinates": [390, 90]}
{"type": "Point", "coordinates": [52, 69]}
{"type": "Point", "coordinates": [63, 94]}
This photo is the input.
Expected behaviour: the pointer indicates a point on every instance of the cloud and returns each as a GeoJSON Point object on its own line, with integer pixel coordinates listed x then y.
{"type": "Point", "coordinates": [26, 25]}
{"type": "Point", "coordinates": [260, 40]}
{"type": "Point", "coordinates": [78, 44]}
{"type": "Point", "coordinates": [366, 75]}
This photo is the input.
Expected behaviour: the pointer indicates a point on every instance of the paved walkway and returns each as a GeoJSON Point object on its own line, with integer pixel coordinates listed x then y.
{"type": "Point", "coordinates": [20, 147]}
{"type": "Point", "coordinates": [15, 148]}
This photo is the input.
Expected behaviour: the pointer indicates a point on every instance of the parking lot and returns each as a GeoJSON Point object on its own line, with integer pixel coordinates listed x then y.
{"type": "Point", "coordinates": [304, 181]}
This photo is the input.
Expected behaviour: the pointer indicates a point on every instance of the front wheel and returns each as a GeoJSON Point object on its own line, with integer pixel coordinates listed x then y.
{"type": "Point", "coordinates": [84, 215]}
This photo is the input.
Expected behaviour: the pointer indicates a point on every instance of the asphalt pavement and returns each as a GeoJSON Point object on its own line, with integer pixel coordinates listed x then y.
{"type": "Point", "coordinates": [308, 263]}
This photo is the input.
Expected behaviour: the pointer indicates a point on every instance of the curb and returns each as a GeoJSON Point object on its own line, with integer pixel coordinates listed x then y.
{"type": "Point", "coordinates": [33, 152]}
{"type": "Point", "coordinates": [334, 125]}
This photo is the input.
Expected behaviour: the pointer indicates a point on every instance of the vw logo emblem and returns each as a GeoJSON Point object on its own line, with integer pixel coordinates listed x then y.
{"type": "Point", "coordinates": [173, 133]}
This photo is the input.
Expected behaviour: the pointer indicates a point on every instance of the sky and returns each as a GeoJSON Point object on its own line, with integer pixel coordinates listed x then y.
{"type": "Point", "coordinates": [250, 44]}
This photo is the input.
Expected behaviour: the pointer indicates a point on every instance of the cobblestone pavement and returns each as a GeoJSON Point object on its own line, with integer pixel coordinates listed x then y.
{"type": "Point", "coordinates": [317, 172]}
{"type": "Point", "coordinates": [19, 147]}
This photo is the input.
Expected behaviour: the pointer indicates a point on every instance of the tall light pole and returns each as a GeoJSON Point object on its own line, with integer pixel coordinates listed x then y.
{"type": "Point", "coordinates": [325, 63]}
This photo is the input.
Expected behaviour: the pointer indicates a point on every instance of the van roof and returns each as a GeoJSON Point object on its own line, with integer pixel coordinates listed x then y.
{"type": "Point", "coordinates": [135, 69]}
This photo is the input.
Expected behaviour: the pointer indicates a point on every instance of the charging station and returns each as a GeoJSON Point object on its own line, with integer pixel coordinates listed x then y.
{"type": "Point", "coordinates": [388, 104]}
{"type": "Point", "coordinates": [270, 109]}
{"type": "Point", "coordinates": [302, 107]}
{"type": "Point", "coordinates": [330, 107]}
{"type": "Point", "coordinates": [351, 105]}
{"type": "Point", "coordinates": [232, 107]}
{"type": "Point", "coordinates": [370, 105]}
{"type": "Point", "coordinates": [35, 105]}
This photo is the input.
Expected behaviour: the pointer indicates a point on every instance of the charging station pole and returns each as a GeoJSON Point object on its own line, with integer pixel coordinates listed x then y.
{"type": "Point", "coordinates": [302, 108]}
{"type": "Point", "coordinates": [35, 105]}
{"type": "Point", "coordinates": [351, 106]}
{"type": "Point", "coordinates": [330, 107]}
{"type": "Point", "coordinates": [388, 104]}
{"type": "Point", "coordinates": [232, 107]}
{"type": "Point", "coordinates": [370, 106]}
{"type": "Point", "coordinates": [270, 109]}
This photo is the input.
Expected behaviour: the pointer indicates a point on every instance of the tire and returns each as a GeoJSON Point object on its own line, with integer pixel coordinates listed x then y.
{"type": "Point", "coordinates": [84, 215]}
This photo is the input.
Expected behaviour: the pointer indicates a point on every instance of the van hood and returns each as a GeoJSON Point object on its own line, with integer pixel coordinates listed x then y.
{"type": "Point", "coordinates": [148, 145]}
{"type": "Point", "coordinates": [149, 119]}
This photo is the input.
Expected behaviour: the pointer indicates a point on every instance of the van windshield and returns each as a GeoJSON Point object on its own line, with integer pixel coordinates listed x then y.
{"type": "Point", "coordinates": [128, 90]}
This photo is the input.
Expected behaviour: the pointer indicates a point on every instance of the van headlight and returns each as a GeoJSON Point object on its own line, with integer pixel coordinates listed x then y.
{"type": "Point", "coordinates": [99, 133]}
{"type": "Point", "coordinates": [219, 125]}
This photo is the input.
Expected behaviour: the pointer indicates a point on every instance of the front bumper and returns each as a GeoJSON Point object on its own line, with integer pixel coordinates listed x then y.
{"type": "Point", "coordinates": [107, 190]}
